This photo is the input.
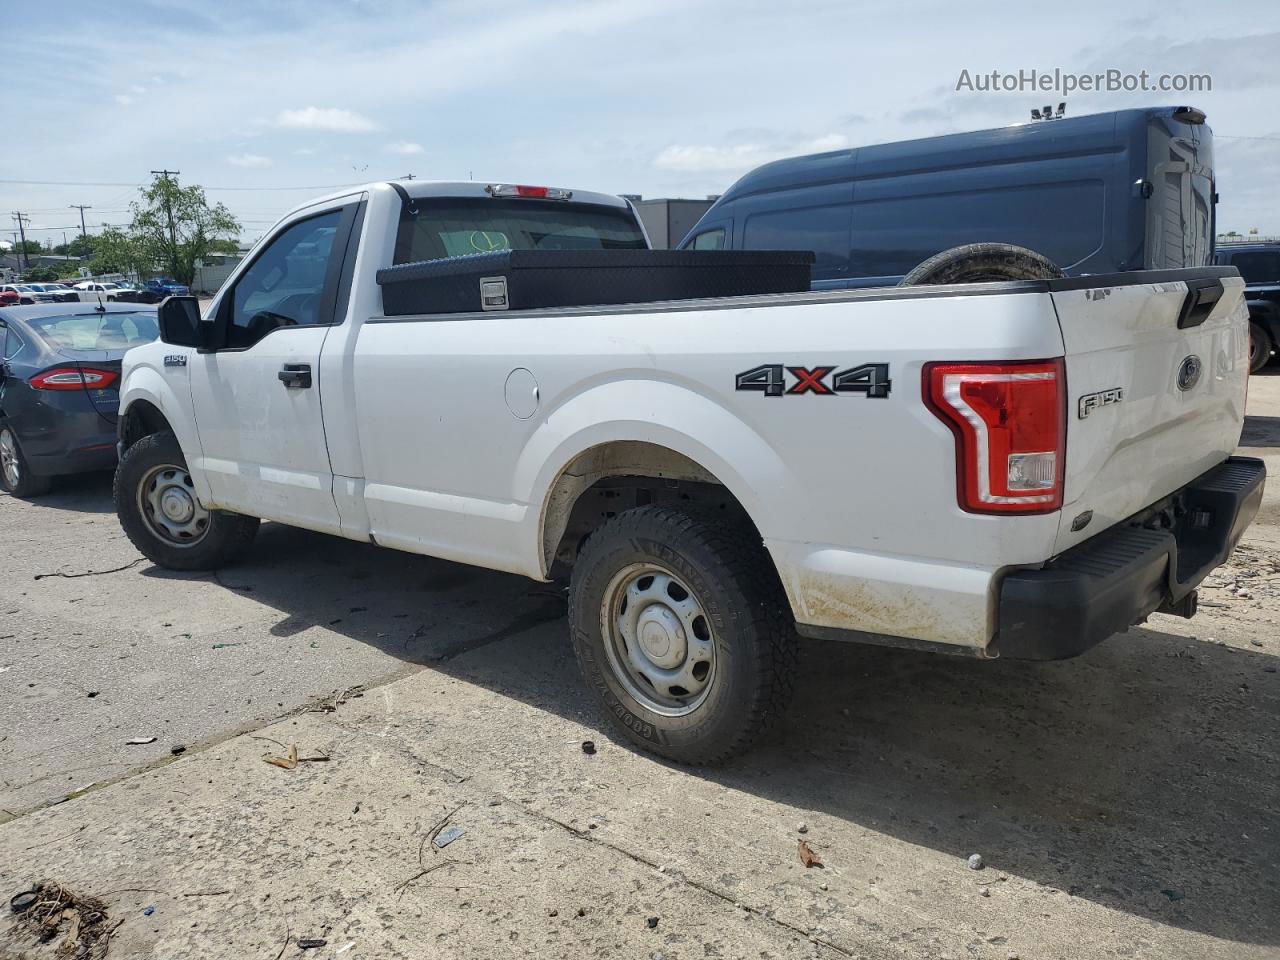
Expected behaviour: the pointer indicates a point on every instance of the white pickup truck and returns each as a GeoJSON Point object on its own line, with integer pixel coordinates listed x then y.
{"type": "Point", "coordinates": [1014, 469]}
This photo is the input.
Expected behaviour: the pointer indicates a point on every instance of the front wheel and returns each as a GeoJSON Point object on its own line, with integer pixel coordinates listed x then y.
{"type": "Point", "coordinates": [1260, 347]}
{"type": "Point", "coordinates": [681, 629]}
{"type": "Point", "coordinates": [160, 513]}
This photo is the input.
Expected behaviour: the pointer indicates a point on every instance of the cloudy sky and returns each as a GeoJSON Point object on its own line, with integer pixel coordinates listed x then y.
{"type": "Point", "coordinates": [270, 101]}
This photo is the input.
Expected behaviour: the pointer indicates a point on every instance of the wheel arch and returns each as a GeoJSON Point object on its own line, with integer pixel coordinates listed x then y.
{"type": "Point", "coordinates": [149, 404]}
{"type": "Point", "coordinates": [591, 453]}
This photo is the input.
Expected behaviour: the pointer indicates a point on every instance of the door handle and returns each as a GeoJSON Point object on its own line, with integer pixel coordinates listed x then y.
{"type": "Point", "coordinates": [296, 376]}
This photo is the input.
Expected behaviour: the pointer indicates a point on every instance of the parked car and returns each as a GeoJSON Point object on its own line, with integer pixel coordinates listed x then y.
{"type": "Point", "coordinates": [1259, 264]}
{"type": "Point", "coordinates": [30, 293]}
{"type": "Point", "coordinates": [61, 292]}
{"type": "Point", "coordinates": [59, 389]}
{"type": "Point", "coordinates": [1020, 471]}
{"type": "Point", "coordinates": [105, 288]}
{"type": "Point", "coordinates": [131, 293]}
{"type": "Point", "coordinates": [167, 287]}
{"type": "Point", "coordinates": [9, 297]}
{"type": "Point", "coordinates": [1128, 190]}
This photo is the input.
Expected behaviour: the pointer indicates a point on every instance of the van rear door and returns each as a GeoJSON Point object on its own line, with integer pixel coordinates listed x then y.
{"type": "Point", "coordinates": [1180, 221]}
{"type": "Point", "coordinates": [1157, 367]}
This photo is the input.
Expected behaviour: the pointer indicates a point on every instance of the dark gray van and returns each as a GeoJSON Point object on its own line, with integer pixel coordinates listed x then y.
{"type": "Point", "coordinates": [1127, 190]}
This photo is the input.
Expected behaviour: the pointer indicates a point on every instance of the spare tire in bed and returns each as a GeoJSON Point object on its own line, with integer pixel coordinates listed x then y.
{"type": "Point", "coordinates": [983, 263]}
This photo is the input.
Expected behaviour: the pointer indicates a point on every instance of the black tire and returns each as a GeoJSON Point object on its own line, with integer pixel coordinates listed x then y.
{"type": "Point", "coordinates": [1260, 347]}
{"type": "Point", "coordinates": [223, 538]}
{"type": "Point", "coordinates": [983, 263]}
{"type": "Point", "coordinates": [28, 485]}
{"type": "Point", "coordinates": [752, 634]}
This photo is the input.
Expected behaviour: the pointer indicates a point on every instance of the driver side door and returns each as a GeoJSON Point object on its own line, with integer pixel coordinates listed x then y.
{"type": "Point", "coordinates": [257, 396]}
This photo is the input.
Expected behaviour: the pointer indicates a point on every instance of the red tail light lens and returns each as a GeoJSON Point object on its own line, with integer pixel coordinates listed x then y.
{"type": "Point", "coordinates": [528, 192]}
{"type": "Point", "coordinates": [1009, 423]}
{"type": "Point", "coordinates": [74, 378]}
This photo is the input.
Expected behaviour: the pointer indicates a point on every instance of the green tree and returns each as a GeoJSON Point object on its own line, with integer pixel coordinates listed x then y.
{"type": "Point", "coordinates": [115, 251]}
{"type": "Point", "coordinates": [30, 247]}
{"type": "Point", "coordinates": [176, 226]}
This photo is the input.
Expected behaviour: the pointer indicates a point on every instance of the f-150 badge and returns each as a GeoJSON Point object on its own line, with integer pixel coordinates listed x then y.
{"type": "Point", "coordinates": [1103, 398]}
{"type": "Point", "coordinates": [771, 379]}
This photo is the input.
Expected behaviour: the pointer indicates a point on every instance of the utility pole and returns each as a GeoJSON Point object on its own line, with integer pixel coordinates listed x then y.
{"type": "Point", "coordinates": [82, 207]}
{"type": "Point", "coordinates": [407, 176]}
{"type": "Point", "coordinates": [23, 219]}
{"type": "Point", "coordinates": [168, 212]}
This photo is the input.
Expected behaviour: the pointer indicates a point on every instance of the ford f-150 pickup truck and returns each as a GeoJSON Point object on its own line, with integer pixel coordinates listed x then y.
{"type": "Point", "coordinates": [1001, 469]}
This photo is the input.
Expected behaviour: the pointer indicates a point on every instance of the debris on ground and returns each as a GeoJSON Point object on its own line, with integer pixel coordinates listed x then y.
{"type": "Point", "coordinates": [82, 921]}
{"type": "Point", "coordinates": [447, 836]}
{"type": "Point", "coordinates": [286, 762]}
{"type": "Point", "coordinates": [344, 948]}
{"type": "Point", "coordinates": [808, 857]}
{"type": "Point", "coordinates": [975, 861]}
{"type": "Point", "coordinates": [588, 747]}
{"type": "Point", "coordinates": [148, 911]}
{"type": "Point", "coordinates": [139, 741]}
{"type": "Point", "coordinates": [177, 749]}
{"type": "Point", "coordinates": [89, 573]}
{"type": "Point", "coordinates": [1173, 895]}
{"type": "Point", "coordinates": [336, 699]}
{"type": "Point", "coordinates": [312, 943]}
{"type": "Point", "coordinates": [652, 922]}
{"type": "Point", "coordinates": [802, 828]}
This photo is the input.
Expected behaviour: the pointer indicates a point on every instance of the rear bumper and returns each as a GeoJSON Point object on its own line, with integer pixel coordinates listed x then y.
{"type": "Point", "coordinates": [1121, 576]}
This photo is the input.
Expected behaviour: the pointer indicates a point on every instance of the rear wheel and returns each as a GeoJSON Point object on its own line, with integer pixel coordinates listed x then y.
{"type": "Point", "coordinates": [681, 628]}
{"type": "Point", "coordinates": [1260, 347]}
{"type": "Point", "coordinates": [15, 473]}
{"type": "Point", "coordinates": [161, 514]}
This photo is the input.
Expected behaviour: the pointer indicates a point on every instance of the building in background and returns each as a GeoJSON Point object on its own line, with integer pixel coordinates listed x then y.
{"type": "Point", "coordinates": [668, 220]}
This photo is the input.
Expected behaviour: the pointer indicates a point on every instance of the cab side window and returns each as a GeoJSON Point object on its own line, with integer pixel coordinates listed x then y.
{"type": "Point", "coordinates": [709, 240]}
{"type": "Point", "coordinates": [284, 286]}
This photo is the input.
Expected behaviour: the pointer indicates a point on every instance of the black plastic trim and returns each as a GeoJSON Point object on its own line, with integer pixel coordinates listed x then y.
{"type": "Point", "coordinates": [1118, 578]}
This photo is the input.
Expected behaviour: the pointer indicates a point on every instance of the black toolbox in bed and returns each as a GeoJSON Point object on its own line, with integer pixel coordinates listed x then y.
{"type": "Point", "coordinates": [529, 279]}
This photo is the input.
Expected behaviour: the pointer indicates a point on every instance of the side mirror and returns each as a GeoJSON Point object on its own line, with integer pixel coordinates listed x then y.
{"type": "Point", "coordinates": [180, 323]}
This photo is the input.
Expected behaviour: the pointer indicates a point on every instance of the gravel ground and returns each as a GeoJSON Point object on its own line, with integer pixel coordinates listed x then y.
{"type": "Point", "coordinates": [1123, 802]}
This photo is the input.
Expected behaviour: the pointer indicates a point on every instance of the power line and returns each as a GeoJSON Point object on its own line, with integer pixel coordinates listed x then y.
{"type": "Point", "coordinates": [88, 183]}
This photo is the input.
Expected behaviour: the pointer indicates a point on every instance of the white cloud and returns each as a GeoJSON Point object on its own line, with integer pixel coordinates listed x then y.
{"type": "Point", "coordinates": [707, 158]}
{"type": "Point", "coordinates": [325, 118]}
{"type": "Point", "coordinates": [123, 99]}
{"type": "Point", "coordinates": [248, 160]}
{"type": "Point", "coordinates": [305, 151]}
{"type": "Point", "coordinates": [138, 89]}
{"type": "Point", "coordinates": [404, 147]}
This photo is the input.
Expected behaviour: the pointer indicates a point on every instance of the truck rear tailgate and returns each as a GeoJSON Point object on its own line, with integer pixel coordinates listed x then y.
{"type": "Point", "coordinates": [1157, 369]}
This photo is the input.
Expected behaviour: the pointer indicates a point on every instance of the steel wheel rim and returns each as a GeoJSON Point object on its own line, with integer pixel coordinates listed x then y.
{"type": "Point", "coordinates": [657, 639]}
{"type": "Point", "coordinates": [9, 459]}
{"type": "Point", "coordinates": [169, 506]}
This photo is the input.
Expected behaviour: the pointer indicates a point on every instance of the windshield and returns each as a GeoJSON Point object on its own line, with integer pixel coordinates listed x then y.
{"type": "Point", "coordinates": [97, 331]}
{"type": "Point", "coordinates": [457, 226]}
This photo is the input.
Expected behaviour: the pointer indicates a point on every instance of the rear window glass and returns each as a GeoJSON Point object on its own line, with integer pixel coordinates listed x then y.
{"type": "Point", "coordinates": [96, 331]}
{"type": "Point", "coordinates": [1261, 266]}
{"type": "Point", "coordinates": [457, 227]}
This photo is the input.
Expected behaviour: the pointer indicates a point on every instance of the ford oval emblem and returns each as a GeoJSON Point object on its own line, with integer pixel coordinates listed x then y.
{"type": "Point", "coordinates": [1189, 373]}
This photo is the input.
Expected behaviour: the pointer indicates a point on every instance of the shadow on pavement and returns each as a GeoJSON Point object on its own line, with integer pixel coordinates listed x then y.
{"type": "Point", "coordinates": [1141, 776]}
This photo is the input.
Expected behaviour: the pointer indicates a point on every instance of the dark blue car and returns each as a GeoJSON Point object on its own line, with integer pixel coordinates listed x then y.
{"type": "Point", "coordinates": [168, 287]}
{"type": "Point", "coordinates": [59, 388]}
{"type": "Point", "coordinates": [1128, 190]}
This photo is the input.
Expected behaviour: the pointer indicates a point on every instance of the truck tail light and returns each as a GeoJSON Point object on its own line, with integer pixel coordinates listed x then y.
{"type": "Point", "coordinates": [1009, 420]}
{"type": "Point", "coordinates": [529, 193]}
{"type": "Point", "coordinates": [73, 378]}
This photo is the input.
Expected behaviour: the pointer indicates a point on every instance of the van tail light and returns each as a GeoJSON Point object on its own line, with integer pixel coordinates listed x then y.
{"type": "Point", "coordinates": [1009, 420]}
{"type": "Point", "coordinates": [74, 378]}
